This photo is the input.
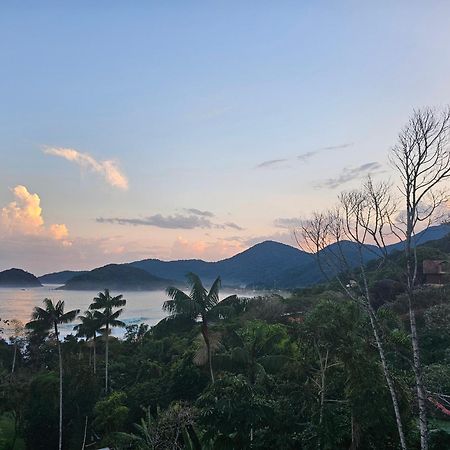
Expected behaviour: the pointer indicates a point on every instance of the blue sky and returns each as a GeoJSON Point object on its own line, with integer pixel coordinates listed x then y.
{"type": "Point", "coordinates": [201, 106]}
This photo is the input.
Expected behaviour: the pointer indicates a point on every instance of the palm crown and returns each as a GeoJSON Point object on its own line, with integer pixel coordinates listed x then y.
{"type": "Point", "coordinates": [51, 316]}
{"type": "Point", "coordinates": [108, 303]}
{"type": "Point", "coordinates": [89, 326]}
{"type": "Point", "coordinates": [198, 303]}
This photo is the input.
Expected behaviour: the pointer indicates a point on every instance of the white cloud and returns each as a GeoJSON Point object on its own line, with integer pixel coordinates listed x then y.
{"type": "Point", "coordinates": [23, 216]}
{"type": "Point", "coordinates": [108, 169]}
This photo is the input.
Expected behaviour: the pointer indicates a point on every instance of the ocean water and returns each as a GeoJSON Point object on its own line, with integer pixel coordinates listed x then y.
{"type": "Point", "coordinates": [141, 307]}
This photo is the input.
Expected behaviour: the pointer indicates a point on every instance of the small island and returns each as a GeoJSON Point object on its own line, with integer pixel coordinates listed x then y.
{"type": "Point", "coordinates": [18, 278]}
{"type": "Point", "coordinates": [116, 277]}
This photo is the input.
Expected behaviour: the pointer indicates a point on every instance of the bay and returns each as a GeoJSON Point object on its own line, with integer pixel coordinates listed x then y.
{"type": "Point", "coordinates": [142, 306]}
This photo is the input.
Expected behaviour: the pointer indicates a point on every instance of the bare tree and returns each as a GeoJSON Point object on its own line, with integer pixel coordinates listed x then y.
{"type": "Point", "coordinates": [363, 217]}
{"type": "Point", "coordinates": [422, 159]}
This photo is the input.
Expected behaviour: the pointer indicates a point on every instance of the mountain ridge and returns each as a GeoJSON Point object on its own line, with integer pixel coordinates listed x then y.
{"type": "Point", "coordinates": [267, 264]}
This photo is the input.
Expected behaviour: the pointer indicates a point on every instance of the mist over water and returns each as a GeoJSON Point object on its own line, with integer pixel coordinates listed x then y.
{"type": "Point", "coordinates": [141, 307]}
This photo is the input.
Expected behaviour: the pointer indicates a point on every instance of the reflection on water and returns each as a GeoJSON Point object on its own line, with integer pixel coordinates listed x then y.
{"type": "Point", "coordinates": [141, 307]}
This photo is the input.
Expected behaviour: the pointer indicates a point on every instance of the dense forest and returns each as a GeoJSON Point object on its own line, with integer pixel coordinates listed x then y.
{"type": "Point", "coordinates": [268, 372]}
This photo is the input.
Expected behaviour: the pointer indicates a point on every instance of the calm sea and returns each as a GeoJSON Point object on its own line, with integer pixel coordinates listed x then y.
{"type": "Point", "coordinates": [141, 307]}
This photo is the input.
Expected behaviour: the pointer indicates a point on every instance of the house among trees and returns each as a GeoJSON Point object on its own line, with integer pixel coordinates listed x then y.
{"type": "Point", "coordinates": [434, 271]}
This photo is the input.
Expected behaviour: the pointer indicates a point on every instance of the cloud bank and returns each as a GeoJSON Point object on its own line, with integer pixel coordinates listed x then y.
{"type": "Point", "coordinates": [108, 169]}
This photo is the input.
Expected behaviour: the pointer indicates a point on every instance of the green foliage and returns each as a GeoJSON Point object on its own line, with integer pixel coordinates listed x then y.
{"type": "Point", "coordinates": [41, 415]}
{"type": "Point", "coordinates": [230, 412]}
{"type": "Point", "coordinates": [110, 415]}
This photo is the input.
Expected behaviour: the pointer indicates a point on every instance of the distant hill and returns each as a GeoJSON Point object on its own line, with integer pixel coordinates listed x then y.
{"type": "Point", "coordinates": [268, 264]}
{"type": "Point", "coordinates": [18, 278]}
{"type": "Point", "coordinates": [116, 276]}
{"type": "Point", "coordinates": [60, 277]}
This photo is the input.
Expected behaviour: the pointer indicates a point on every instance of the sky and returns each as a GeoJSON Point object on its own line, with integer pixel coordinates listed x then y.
{"type": "Point", "coordinates": [190, 129]}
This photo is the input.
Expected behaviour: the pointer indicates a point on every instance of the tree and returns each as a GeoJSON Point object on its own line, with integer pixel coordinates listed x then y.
{"type": "Point", "coordinates": [362, 217]}
{"type": "Point", "coordinates": [109, 318]}
{"type": "Point", "coordinates": [16, 333]}
{"type": "Point", "coordinates": [422, 159]}
{"type": "Point", "coordinates": [48, 318]}
{"type": "Point", "coordinates": [88, 328]}
{"type": "Point", "coordinates": [198, 304]}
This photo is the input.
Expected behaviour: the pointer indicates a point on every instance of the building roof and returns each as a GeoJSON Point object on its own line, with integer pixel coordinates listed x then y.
{"type": "Point", "coordinates": [431, 266]}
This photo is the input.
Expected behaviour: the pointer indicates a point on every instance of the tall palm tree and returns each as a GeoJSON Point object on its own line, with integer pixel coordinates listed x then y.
{"type": "Point", "coordinates": [48, 319]}
{"type": "Point", "coordinates": [89, 327]}
{"type": "Point", "coordinates": [109, 318]}
{"type": "Point", "coordinates": [198, 304]}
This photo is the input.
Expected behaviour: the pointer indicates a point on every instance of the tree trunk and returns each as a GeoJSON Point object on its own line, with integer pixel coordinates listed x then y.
{"type": "Point", "coordinates": [60, 388]}
{"type": "Point", "coordinates": [421, 395]}
{"type": "Point", "coordinates": [14, 358]}
{"type": "Point", "coordinates": [323, 369]}
{"type": "Point", "coordinates": [205, 334]}
{"type": "Point", "coordinates": [387, 376]}
{"type": "Point", "coordinates": [411, 273]}
{"type": "Point", "coordinates": [106, 358]}
{"type": "Point", "coordinates": [85, 432]}
{"type": "Point", "coordinates": [95, 355]}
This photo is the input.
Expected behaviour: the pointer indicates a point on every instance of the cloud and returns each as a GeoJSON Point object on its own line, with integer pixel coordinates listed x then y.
{"type": "Point", "coordinates": [233, 225]}
{"type": "Point", "coordinates": [176, 221]}
{"type": "Point", "coordinates": [349, 174]}
{"type": "Point", "coordinates": [337, 147]}
{"type": "Point", "coordinates": [108, 169]}
{"type": "Point", "coordinates": [283, 237]}
{"type": "Point", "coordinates": [198, 212]}
{"type": "Point", "coordinates": [270, 163]}
{"type": "Point", "coordinates": [60, 232]}
{"type": "Point", "coordinates": [199, 219]}
{"type": "Point", "coordinates": [287, 222]}
{"type": "Point", "coordinates": [207, 250]}
{"type": "Point", "coordinates": [23, 217]}
{"type": "Point", "coordinates": [308, 155]}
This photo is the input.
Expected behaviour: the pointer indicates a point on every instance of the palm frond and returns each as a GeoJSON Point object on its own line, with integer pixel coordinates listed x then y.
{"type": "Point", "coordinates": [69, 316]}
{"type": "Point", "coordinates": [213, 294]}
{"type": "Point", "coordinates": [117, 323]}
{"type": "Point", "coordinates": [181, 304]}
{"type": "Point", "coordinates": [198, 291]}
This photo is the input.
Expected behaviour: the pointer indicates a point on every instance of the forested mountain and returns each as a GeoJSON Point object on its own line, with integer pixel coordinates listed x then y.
{"type": "Point", "coordinates": [116, 276]}
{"type": "Point", "coordinates": [18, 278]}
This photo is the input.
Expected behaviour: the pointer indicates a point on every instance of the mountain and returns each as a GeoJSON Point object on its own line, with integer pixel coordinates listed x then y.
{"type": "Point", "coordinates": [18, 278]}
{"type": "Point", "coordinates": [116, 277]}
{"type": "Point", "coordinates": [60, 277]}
{"type": "Point", "coordinates": [268, 264]}
{"type": "Point", "coordinates": [255, 267]}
